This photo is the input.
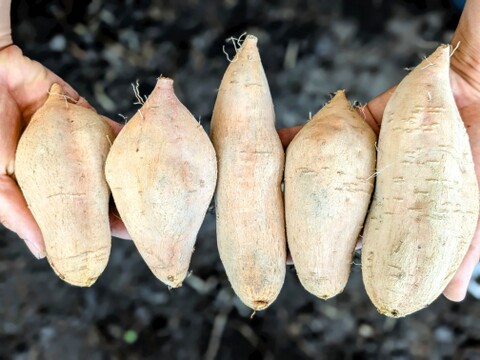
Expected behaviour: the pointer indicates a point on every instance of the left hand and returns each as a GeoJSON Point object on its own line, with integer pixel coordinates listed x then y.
{"type": "Point", "coordinates": [24, 86]}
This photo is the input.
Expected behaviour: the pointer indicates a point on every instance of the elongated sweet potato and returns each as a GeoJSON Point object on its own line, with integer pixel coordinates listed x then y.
{"type": "Point", "coordinates": [249, 205]}
{"type": "Point", "coordinates": [426, 204]}
{"type": "Point", "coordinates": [328, 185]}
{"type": "Point", "coordinates": [162, 172]}
{"type": "Point", "coordinates": [59, 166]}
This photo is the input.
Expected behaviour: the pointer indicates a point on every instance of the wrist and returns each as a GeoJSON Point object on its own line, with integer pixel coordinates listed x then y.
{"type": "Point", "coordinates": [5, 27]}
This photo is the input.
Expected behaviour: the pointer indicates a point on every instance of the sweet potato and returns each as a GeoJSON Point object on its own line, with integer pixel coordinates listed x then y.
{"type": "Point", "coordinates": [425, 206]}
{"type": "Point", "coordinates": [162, 172]}
{"type": "Point", "coordinates": [249, 204]}
{"type": "Point", "coordinates": [60, 163]}
{"type": "Point", "coordinates": [328, 185]}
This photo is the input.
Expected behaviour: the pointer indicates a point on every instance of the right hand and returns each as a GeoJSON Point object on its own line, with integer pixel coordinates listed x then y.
{"type": "Point", "coordinates": [465, 83]}
{"type": "Point", "coordinates": [24, 86]}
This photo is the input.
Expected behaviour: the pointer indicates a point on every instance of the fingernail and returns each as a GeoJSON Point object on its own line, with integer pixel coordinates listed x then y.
{"type": "Point", "coordinates": [11, 168]}
{"type": "Point", "coordinates": [39, 254]}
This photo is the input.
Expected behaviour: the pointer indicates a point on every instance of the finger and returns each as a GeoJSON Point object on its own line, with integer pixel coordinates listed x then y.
{"type": "Point", "coordinates": [287, 135]}
{"type": "Point", "coordinates": [16, 216]}
{"type": "Point", "coordinates": [10, 129]}
{"type": "Point", "coordinates": [118, 227]}
{"type": "Point", "coordinates": [29, 81]}
{"type": "Point", "coordinates": [289, 259]}
{"type": "Point", "coordinates": [116, 127]}
{"type": "Point", "coordinates": [14, 213]}
{"type": "Point", "coordinates": [457, 288]}
{"type": "Point", "coordinates": [359, 243]}
{"type": "Point", "coordinates": [372, 112]}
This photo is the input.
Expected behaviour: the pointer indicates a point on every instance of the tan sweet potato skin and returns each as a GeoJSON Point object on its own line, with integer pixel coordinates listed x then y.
{"type": "Point", "coordinates": [60, 168]}
{"type": "Point", "coordinates": [425, 205]}
{"type": "Point", "coordinates": [162, 173]}
{"type": "Point", "coordinates": [249, 204]}
{"type": "Point", "coordinates": [328, 184]}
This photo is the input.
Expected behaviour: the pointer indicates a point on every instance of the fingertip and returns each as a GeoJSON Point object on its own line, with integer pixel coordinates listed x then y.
{"type": "Point", "coordinates": [67, 89]}
{"type": "Point", "coordinates": [32, 236]}
{"type": "Point", "coordinates": [118, 227]}
{"type": "Point", "coordinates": [372, 112]}
{"type": "Point", "coordinates": [458, 286]}
{"type": "Point", "coordinates": [289, 259]}
{"type": "Point", "coordinates": [16, 216]}
{"type": "Point", "coordinates": [121, 233]}
{"type": "Point", "coordinates": [456, 291]}
{"type": "Point", "coordinates": [287, 134]}
{"type": "Point", "coordinates": [35, 249]}
{"type": "Point", "coordinates": [359, 244]}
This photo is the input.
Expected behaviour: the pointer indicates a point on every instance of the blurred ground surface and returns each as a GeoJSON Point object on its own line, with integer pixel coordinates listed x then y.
{"type": "Point", "coordinates": [309, 49]}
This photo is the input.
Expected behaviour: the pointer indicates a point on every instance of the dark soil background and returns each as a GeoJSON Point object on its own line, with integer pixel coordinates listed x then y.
{"type": "Point", "coordinates": [310, 48]}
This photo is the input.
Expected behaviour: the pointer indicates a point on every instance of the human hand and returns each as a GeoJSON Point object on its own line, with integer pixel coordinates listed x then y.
{"type": "Point", "coordinates": [24, 86]}
{"type": "Point", "coordinates": [465, 83]}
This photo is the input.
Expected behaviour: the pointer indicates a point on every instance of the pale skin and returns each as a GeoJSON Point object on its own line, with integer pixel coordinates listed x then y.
{"type": "Point", "coordinates": [24, 86]}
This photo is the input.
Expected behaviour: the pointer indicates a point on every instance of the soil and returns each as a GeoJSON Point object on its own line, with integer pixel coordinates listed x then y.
{"type": "Point", "coordinates": [309, 49]}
